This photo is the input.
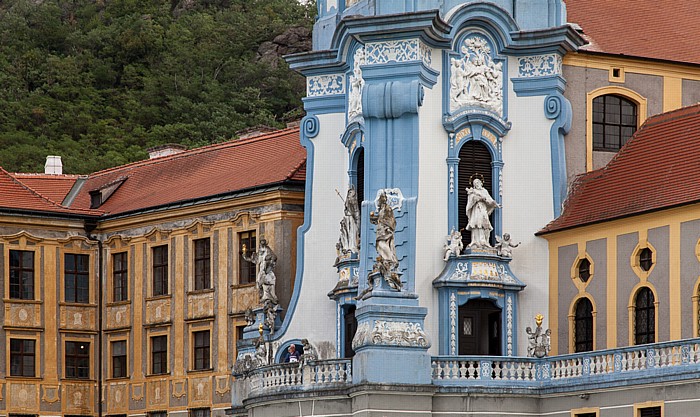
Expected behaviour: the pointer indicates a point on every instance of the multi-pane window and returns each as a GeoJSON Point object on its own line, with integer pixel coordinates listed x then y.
{"type": "Point", "coordinates": [246, 269]}
{"type": "Point", "coordinates": [201, 350]}
{"type": "Point", "coordinates": [644, 317]}
{"type": "Point", "coordinates": [158, 414]}
{"type": "Point", "coordinates": [119, 359]}
{"type": "Point", "coordinates": [77, 278]}
{"type": "Point", "coordinates": [645, 259]}
{"type": "Point", "coordinates": [22, 274]}
{"type": "Point", "coordinates": [614, 122]}
{"type": "Point", "coordinates": [160, 270]}
{"type": "Point", "coordinates": [159, 355]}
{"type": "Point", "coordinates": [202, 264]}
{"type": "Point", "coordinates": [584, 270]}
{"type": "Point", "coordinates": [120, 277]}
{"type": "Point", "coordinates": [650, 412]}
{"type": "Point", "coordinates": [199, 412]}
{"type": "Point", "coordinates": [583, 326]}
{"type": "Point", "coordinates": [22, 357]}
{"type": "Point", "coordinates": [77, 360]}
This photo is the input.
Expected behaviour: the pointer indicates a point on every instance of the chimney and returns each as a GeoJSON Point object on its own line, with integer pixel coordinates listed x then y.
{"type": "Point", "coordinates": [53, 165]}
{"type": "Point", "coordinates": [165, 150]}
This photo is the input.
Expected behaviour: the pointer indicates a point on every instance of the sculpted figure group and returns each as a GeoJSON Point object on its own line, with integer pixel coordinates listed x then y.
{"type": "Point", "coordinates": [265, 281]}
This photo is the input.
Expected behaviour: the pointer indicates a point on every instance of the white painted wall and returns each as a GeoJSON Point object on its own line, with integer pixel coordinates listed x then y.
{"type": "Point", "coordinates": [431, 227]}
{"type": "Point", "coordinates": [315, 313]}
{"type": "Point", "coordinates": [527, 202]}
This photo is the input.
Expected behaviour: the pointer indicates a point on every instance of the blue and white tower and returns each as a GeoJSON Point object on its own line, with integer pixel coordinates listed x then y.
{"type": "Point", "coordinates": [414, 99]}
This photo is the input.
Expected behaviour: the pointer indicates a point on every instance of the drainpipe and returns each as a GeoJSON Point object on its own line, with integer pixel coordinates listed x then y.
{"type": "Point", "coordinates": [90, 225]}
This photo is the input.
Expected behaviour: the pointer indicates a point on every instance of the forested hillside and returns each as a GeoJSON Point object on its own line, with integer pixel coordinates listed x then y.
{"type": "Point", "coordinates": [100, 81]}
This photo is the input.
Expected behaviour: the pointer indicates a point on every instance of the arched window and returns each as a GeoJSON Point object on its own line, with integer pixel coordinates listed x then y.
{"type": "Point", "coordinates": [474, 158]}
{"type": "Point", "coordinates": [644, 317]}
{"type": "Point", "coordinates": [614, 122]}
{"type": "Point", "coordinates": [583, 326]}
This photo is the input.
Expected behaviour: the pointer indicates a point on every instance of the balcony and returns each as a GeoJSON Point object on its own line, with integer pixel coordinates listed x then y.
{"type": "Point", "coordinates": [294, 377]}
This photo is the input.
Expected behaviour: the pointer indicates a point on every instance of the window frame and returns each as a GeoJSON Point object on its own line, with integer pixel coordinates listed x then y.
{"type": "Point", "coordinates": [651, 324]}
{"type": "Point", "coordinates": [75, 275]}
{"type": "Point", "coordinates": [589, 324]}
{"type": "Point", "coordinates": [203, 351]}
{"type": "Point", "coordinates": [203, 281]}
{"type": "Point", "coordinates": [163, 354]}
{"type": "Point", "coordinates": [74, 369]}
{"type": "Point", "coordinates": [120, 277]}
{"type": "Point", "coordinates": [159, 271]}
{"type": "Point", "coordinates": [22, 292]}
{"type": "Point", "coordinates": [247, 270]}
{"type": "Point", "coordinates": [12, 354]}
{"type": "Point", "coordinates": [123, 359]}
{"type": "Point", "coordinates": [199, 412]}
{"type": "Point", "coordinates": [605, 100]}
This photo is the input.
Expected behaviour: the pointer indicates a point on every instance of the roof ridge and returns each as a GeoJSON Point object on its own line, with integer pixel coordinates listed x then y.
{"type": "Point", "coordinates": [671, 115]}
{"type": "Point", "coordinates": [42, 174]}
{"type": "Point", "coordinates": [196, 151]}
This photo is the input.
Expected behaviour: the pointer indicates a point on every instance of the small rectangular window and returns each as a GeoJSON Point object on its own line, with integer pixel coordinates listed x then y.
{"type": "Point", "coordinates": [587, 415]}
{"type": "Point", "coordinates": [201, 350]}
{"type": "Point", "coordinates": [202, 264]}
{"type": "Point", "coordinates": [120, 277]}
{"type": "Point", "coordinates": [199, 412]}
{"type": "Point", "coordinates": [77, 278]}
{"type": "Point", "coordinates": [650, 412]}
{"type": "Point", "coordinates": [22, 357]}
{"type": "Point", "coordinates": [22, 274]}
{"type": "Point", "coordinates": [158, 414]}
{"type": "Point", "coordinates": [160, 270]}
{"type": "Point", "coordinates": [246, 269]}
{"type": "Point", "coordinates": [119, 359]}
{"type": "Point", "coordinates": [159, 355]}
{"type": "Point", "coordinates": [77, 360]}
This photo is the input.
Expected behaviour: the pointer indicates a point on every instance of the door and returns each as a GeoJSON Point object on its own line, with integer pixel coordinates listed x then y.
{"type": "Point", "coordinates": [350, 329]}
{"type": "Point", "coordinates": [479, 330]}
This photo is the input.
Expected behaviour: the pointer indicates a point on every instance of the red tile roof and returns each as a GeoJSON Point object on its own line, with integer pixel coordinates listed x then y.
{"type": "Point", "coordinates": [16, 195]}
{"type": "Point", "coordinates": [660, 29]}
{"type": "Point", "coordinates": [52, 186]}
{"type": "Point", "coordinates": [658, 168]}
{"type": "Point", "coordinates": [213, 170]}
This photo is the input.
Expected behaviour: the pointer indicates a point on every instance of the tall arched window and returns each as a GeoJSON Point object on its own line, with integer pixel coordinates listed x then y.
{"type": "Point", "coordinates": [614, 122]}
{"type": "Point", "coordinates": [644, 317]}
{"type": "Point", "coordinates": [474, 158]}
{"type": "Point", "coordinates": [583, 326]}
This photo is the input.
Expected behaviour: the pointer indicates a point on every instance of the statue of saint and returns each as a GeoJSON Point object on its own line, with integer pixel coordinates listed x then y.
{"type": "Point", "coordinates": [350, 224]}
{"type": "Point", "coordinates": [266, 280]}
{"type": "Point", "coordinates": [386, 226]}
{"type": "Point", "coordinates": [479, 206]}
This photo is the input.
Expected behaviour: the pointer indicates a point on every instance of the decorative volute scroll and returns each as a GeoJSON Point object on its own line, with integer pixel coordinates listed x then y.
{"type": "Point", "coordinates": [475, 79]}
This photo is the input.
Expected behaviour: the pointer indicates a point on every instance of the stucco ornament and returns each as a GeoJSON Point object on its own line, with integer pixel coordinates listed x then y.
{"type": "Point", "coordinates": [349, 241]}
{"type": "Point", "coordinates": [479, 206]}
{"type": "Point", "coordinates": [386, 262]}
{"type": "Point", "coordinates": [356, 85]}
{"type": "Point", "coordinates": [391, 333]}
{"type": "Point", "coordinates": [454, 245]}
{"type": "Point", "coordinates": [504, 246]}
{"type": "Point", "coordinates": [539, 340]}
{"type": "Point", "coordinates": [475, 79]}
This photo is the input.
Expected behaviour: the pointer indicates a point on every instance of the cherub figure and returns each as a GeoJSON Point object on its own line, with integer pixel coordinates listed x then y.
{"type": "Point", "coordinates": [504, 246]}
{"type": "Point", "coordinates": [454, 244]}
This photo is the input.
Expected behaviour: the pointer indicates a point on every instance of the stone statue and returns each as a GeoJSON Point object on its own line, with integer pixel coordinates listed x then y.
{"type": "Point", "coordinates": [479, 207]}
{"type": "Point", "coordinates": [249, 316]}
{"type": "Point", "coordinates": [504, 246]}
{"type": "Point", "coordinates": [270, 311]}
{"type": "Point", "coordinates": [454, 245]}
{"type": "Point", "coordinates": [349, 241]}
{"type": "Point", "coordinates": [310, 353]}
{"type": "Point", "coordinates": [387, 261]}
{"type": "Point", "coordinates": [538, 341]}
{"type": "Point", "coordinates": [261, 352]}
{"type": "Point", "coordinates": [266, 280]}
{"type": "Point", "coordinates": [475, 79]}
{"type": "Point", "coordinates": [356, 85]}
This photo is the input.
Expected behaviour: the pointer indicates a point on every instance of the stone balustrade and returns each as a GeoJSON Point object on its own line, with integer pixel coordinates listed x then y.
{"type": "Point", "coordinates": [611, 367]}
{"type": "Point", "coordinates": [288, 377]}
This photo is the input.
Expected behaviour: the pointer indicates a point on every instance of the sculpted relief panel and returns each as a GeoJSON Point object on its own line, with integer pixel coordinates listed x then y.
{"type": "Point", "coordinates": [200, 305]}
{"type": "Point", "coordinates": [200, 391]}
{"type": "Point", "coordinates": [77, 398]}
{"type": "Point", "coordinates": [78, 318]}
{"type": "Point", "coordinates": [117, 397]}
{"type": "Point", "coordinates": [118, 316]}
{"type": "Point", "coordinates": [158, 311]}
{"type": "Point", "coordinates": [476, 80]}
{"type": "Point", "coordinates": [158, 393]}
{"type": "Point", "coordinates": [22, 314]}
{"type": "Point", "coordinates": [23, 397]}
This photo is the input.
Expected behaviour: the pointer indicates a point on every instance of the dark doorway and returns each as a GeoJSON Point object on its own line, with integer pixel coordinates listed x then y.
{"type": "Point", "coordinates": [479, 328]}
{"type": "Point", "coordinates": [350, 329]}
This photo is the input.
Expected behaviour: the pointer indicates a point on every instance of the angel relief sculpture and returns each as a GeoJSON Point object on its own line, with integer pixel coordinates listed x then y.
{"type": "Point", "coordinates": [475, 79]}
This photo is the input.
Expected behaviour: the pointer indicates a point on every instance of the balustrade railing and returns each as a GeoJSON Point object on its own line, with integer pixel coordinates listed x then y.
{"type": "Point", "coordinates": [611, 365]}
{"type": "Point", "coordinates": [300, 376]}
